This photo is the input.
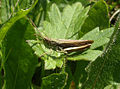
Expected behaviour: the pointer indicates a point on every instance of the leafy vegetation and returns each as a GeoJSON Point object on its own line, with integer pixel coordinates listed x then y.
{"type": "Point", "coordinates": [33, 50]}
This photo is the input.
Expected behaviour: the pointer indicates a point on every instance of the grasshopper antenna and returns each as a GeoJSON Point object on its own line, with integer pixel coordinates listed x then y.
{"type": "Point", "coordinates": [33, 24]}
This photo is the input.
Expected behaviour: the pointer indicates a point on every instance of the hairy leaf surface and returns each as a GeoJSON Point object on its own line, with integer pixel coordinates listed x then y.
{"type": "Point", "coordinates": [105, 69]}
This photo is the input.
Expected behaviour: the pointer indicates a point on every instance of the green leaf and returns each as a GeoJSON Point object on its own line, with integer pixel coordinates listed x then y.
{"type": "Point", "coordinates": [50, 62]}
{"type": "Point", "coordinates": [89, 55]}
{"type": "Point", "coordinates": [100, 37]}
{"type": "Point", "coordinates": [104, 70]}
{"type": "Point", "coordinates": [36, 47]}
{"type": "Point", "coordinates": [10, 22]}
{"type": "Point", "coordinates": [54, 81]}
{"type": "Point", "coordinates": [20, 64]}
{"type": "Point", "coordinates": [65, 25]}
{"type": "Point", "coordinates": [98, 17]}
{"type": "Point", "coordinates": [59, 63]}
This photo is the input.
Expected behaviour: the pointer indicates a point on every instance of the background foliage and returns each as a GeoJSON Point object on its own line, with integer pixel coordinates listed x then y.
{"type": "Point", "coordinates": [21, 63]}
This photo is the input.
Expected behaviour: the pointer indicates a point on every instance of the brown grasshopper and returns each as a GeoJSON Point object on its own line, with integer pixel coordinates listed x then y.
{"type": "Point", "coordinates": [69, 45]}
{"type": "Point", "coordinates": [66, 45]}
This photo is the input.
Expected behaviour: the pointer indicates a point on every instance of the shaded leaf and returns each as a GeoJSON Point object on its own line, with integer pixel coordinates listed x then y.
{"type": "Point", "coordinates": [80, 75]}
{"type": "Point", "coordinates": [54, 81]}
{"type": "Point", "coordinates": [21, 62]}
{"type": "Point", "coordinates": [98, 17]}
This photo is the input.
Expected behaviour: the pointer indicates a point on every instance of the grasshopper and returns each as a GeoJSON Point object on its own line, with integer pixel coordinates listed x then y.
{"type": "Point", "coordinates": [66, 45]}
{"type": "Point", "coordinates": [69, 45]}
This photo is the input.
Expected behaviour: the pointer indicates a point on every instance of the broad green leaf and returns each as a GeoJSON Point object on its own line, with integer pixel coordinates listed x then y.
{"type": "Point", "coordinates": [20, 64]}
{"type": "Point", "coordinates": [65, 25]}
{"type": "Point", "coordinates": [98, 17]}
{"type": "Point", "coordinates": [89, 55]}
{"type": "Point", "coordinates": [100, 37]}
{"type": "Point", "coordinates": [10, 22]}
{"type": "Point", "coordinates": [73, 18]}
{"type": "Point", "coordinates": [10, 7]}
{"type": "Point", "coordinates": [104, 70]}
{"type": "Point", "coordinates": [54, 81]}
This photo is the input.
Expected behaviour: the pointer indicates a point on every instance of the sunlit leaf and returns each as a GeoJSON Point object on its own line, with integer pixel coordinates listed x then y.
{"type": "Point", "coordinates": [100, 37]}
